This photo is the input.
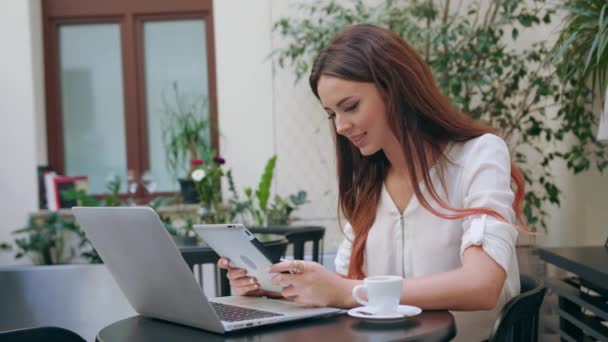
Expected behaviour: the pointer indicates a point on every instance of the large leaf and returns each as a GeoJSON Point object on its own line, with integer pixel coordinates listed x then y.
{"type": "Point", "coordinates": [263, 191]}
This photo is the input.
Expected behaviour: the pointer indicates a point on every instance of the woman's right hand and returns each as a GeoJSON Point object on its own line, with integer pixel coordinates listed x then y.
{"type": "Point", "coordinates": [239, 281]}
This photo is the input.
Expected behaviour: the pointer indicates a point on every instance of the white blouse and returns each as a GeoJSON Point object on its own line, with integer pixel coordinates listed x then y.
{"type": "Point", "coordinates": [417, 243]}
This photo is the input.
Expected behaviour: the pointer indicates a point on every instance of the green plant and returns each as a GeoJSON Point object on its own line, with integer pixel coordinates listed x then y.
{"type": "Point", "coordinates": [43, 239]}
{"type": "Point", "coordinates": [280, 210]}
{"type": "Point", "coordinates": [208, 184]}
{"type": "Point", "coordinates": [583, 37]}
{"type": "Point", "coordinates": [237, 207]}
{"type": "Point", "coordinates": [182, 227]}
{"type": "Point", "coordinates": [110, 199]}
{"type": "Point", "coordinates": [580, 57]}
{"type": "Point", "coordinates": [258, 201]}
{"type": "Point", "coordinates": [185, 132]}
{"type": "Point", "coordinates": [468, 49]}
{"type": "Point", "coordinates": [207, 179]}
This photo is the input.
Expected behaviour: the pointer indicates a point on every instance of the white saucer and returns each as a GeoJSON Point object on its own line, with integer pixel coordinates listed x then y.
{"type": "Point", "coordinates": [403, 312]}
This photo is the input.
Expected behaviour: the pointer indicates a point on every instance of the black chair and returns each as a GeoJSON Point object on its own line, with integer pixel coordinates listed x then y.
{"type": "Point", "coordinates": [80, 298]}
{"type": "Point", "coordinates": [42, 334]}
{"type": "Point", "coordinates": [195, 257]}
{"type": "Point", "coordinates": [519, 318]}
{"type": "Point", "coordinates": [298, 236]}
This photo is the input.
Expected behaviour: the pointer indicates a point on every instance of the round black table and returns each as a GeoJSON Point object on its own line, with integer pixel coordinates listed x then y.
{"type": "Point", "coordinates": [428, 326]}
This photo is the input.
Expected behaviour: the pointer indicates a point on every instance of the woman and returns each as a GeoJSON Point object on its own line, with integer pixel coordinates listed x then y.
{"type": "Point", "coordinates": [425, 189]}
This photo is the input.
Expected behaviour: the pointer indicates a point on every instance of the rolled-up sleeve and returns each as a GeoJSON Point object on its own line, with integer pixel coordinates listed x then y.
{"type": "Point", "coordinates": [487, 183]}
{"type": "Point", "coordinates": [342, 260]}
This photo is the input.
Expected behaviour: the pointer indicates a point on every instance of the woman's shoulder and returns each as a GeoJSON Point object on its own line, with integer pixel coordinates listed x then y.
{"type": "Point", "coordinates": [486, 141]}
{"type": "Point", "coordinates": [479, 148]}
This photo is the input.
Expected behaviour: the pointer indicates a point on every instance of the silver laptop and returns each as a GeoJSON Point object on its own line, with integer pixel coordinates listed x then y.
{"type": "Point", "coordinates": [149, 269]}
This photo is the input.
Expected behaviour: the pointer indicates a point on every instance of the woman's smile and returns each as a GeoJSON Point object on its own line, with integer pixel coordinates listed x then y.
{"type": "Point", "coordinates": [359, 139]}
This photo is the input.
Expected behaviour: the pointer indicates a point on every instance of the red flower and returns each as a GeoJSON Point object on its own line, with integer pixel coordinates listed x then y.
{"type": "Point", "coordinates": [219, 160]}
{"type": "Point", "coordinates": [197, 161]}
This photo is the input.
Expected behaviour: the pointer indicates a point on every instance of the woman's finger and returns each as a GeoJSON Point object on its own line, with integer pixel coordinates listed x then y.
{"type": "Point", "coordinates": [289, 291]}
{"type": "Point", "coordinates": [247, 290]}
{"type": "Point", "coordinates": [284, 279]}
{"type": "Point", "coordinates": [256, 293]}
{"type": "Point", "coordinates": [291, 266]}
{"type": "Point", "coordinates": [244, 282]}
{"type": "Point", "coordinates": [272, 294]}
{"type": "Point", "coordinates": [224, 263]}
{"type": "Point", "coordinates": [236, 273]}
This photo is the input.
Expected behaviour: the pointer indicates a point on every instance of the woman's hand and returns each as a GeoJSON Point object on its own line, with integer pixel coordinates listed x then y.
{"type": "Point", "coordinates": [242, 284]}
{"type": "Point", "coordinates": [310, 283]}
{"type": "Point", "coordinates": [239, 281]}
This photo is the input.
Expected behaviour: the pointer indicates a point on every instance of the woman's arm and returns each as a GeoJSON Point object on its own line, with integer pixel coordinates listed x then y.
{"type": "Point", "coordinates": [474, 286]}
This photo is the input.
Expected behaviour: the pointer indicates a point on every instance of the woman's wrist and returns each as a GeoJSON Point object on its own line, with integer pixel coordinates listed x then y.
{"type": "Point", "coordinates": [345, 298]}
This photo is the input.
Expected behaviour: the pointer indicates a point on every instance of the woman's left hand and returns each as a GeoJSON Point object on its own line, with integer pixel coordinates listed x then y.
{"type": "Point", "coordinates": [311, 283]}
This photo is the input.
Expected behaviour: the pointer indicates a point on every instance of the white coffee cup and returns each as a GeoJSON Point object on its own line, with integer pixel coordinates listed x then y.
{"type": "Point", "coordinates": [383, 294]}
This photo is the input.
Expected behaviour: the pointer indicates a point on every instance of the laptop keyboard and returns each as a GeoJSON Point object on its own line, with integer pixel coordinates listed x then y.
{"type": "Point", "coordinates": [231, 313]}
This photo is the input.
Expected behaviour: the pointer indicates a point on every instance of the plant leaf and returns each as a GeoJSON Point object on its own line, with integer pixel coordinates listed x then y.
{"type": "Point", "coordinates": [263, 191]}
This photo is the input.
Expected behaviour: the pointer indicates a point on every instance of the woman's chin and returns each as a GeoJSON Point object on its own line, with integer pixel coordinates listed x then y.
{"type": "Point", "coordinates": [367, 150]}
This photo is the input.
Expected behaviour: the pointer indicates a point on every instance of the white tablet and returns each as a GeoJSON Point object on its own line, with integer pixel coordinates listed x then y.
{"type": "Point", "coordinates": [235, 242]}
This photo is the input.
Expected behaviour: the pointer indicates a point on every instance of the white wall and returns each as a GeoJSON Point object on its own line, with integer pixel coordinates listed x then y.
{"type": "Point", "coordinates": [304, 142]}
{"type": "Point", "coordinates": [21, 105]}
{"type": "Point", "coordinates": [262, 112]}
{"type": "Point", "coordinates": [244, 86]}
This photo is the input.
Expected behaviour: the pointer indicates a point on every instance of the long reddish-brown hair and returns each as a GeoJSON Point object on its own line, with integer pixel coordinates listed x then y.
{"type": "Point", "coordinates": [419, 115]}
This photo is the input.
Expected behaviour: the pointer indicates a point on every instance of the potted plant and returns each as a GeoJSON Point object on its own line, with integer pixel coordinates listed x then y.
{"type": "Point", "coordinates": [43, 240]}
{"type": "Point", "coordinates": [583, 38]}
{"type": "Point", "coordinates": [262, 210]}
{"type": "Point", "coordinates": [186, 135]}
{"type": "Point", "coordinates": [207, 178]}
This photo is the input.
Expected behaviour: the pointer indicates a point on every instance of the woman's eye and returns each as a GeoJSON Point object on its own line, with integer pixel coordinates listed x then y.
{"type": "Point", "coordinates": [352, 107]}
{"type": "Point", "coordinates": [330, 116]}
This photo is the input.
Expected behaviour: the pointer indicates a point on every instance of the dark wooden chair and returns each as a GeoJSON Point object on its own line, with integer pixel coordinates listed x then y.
{"type": "Point", "coordinates": [298, 236]}
{"type": "Point", "coordinates": [519, 318]}
{"type": "Point", "coordinates": [41, 334]}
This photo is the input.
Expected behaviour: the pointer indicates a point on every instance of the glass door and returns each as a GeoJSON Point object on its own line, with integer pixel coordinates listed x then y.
{"type": "Point", "coordinates": [92, 111]}
{"type": "Point", "coordinates": [176, 81]}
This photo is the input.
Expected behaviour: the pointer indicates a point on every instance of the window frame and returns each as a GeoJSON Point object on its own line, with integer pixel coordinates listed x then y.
{"type": "Point", "coordinates": [130, 15]}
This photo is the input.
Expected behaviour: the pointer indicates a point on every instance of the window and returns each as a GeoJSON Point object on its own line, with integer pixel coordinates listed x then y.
{"type": "Point", "coordinates": [110, 69]}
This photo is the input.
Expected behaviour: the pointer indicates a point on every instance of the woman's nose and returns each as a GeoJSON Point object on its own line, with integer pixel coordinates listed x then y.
{"type": "Point", "coordinates": [342, 125]}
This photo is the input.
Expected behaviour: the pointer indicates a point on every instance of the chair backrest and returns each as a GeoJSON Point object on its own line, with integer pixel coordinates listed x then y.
{"type": "Point", "coordinates": [276, 248]}
{"type": "Point", "coordinates": [299, 236]}
{"type": "Point", "coordinates": [519, 318]}
{"type": "Point", "coordinates": [42, 334]}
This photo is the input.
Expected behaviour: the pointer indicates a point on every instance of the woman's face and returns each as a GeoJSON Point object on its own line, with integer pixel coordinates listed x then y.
{"type": "Point", "coordinates": [358, 112]}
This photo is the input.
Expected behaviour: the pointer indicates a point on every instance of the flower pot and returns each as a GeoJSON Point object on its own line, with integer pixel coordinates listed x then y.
{"type": "Point", "coordinates": [188, 190]}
